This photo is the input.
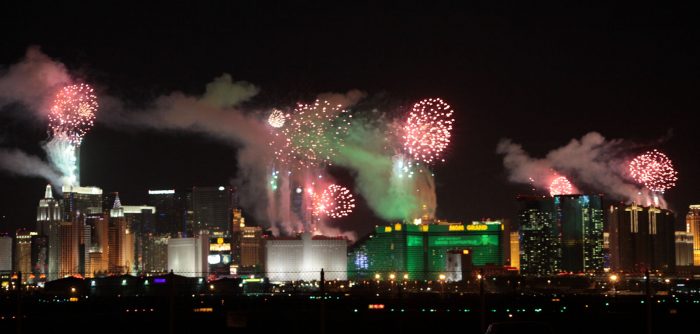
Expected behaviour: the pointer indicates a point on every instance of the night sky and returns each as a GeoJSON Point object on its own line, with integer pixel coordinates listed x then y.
{"type": "Point", "coordinates": [540, 76]}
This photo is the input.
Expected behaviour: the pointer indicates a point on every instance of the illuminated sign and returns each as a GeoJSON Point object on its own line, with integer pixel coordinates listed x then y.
{"type": "Point", "coordinates": [463, 241]}
{"type": "Point", "coordinates": [203, 310]}
{"type": "Point", "coordinates": [375, 306]}
{"type": "Point", "coordinates": [220, 247]}
{"type": "Point", "coordinates": [387, 229]}
{"type": "Point", "coordinates": [397, 227]}
{"type": "Point", "coordinates": [214, 259]}
{"type": "Point", "coordinates": [73, 299]}
{"type": "Point", "coordinates": [456, 228]}
{"type": "Point", "coordinates": [161, 192]}
{"type": "Point", "coordinates": [479, 227]}
{"type": "Point", "coordinates": [159, 280]}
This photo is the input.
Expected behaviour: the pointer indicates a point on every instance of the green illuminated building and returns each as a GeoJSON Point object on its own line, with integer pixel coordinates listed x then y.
{"type": "Point", "coordinates": [420, 251]}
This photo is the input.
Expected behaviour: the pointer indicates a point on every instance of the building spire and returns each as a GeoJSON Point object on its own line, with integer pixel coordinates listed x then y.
{"type": "Point", "coordinates": [117, 202]}
{"type": "Point", "coordinates": [48, 193]}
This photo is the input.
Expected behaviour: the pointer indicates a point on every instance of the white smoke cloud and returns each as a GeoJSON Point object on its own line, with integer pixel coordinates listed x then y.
{"type": "Point", "coordinates": [592, 161]}
{"type": "Point", "coordinates": [32, 82]}
{"type": "Point", "coordinates": [20, 163]}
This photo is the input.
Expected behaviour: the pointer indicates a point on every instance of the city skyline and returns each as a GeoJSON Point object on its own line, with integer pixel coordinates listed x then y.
{"type": "Point", "coordinates": [131, 161]}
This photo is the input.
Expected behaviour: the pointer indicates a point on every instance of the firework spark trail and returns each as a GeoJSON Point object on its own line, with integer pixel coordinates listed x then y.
{"type": "Point", "coordinates": [73, 112]}
{"type": "Point", "coordinates": [311, 135]}
{"type": "Point", "coordinates": [276, 118]}
{"type": "Point", "coordinates": [335, 202]}
{"type": "Point", "coordinates": [654, 170]}
{"type": "Point", "coordinates": [428, 129]}
{"type": "Point", "coordinates": [560, 186]}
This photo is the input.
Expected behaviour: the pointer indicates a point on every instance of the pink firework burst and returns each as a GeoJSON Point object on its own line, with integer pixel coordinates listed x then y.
{"type": "Point", "coordinates": [561, 186]}
{"type": "Point", "coordinates": [427, 130]}
{"type": "Point", "coordinates": [72, 113]}
{"type": "Point", "coordinates": [335, 202]}
{"type": "Point", "coordinates": [654, 170]}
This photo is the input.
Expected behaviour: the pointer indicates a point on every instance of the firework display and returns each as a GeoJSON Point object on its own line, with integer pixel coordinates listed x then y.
{"type": "Point", "coordinates": [311, 135]}
{"type": "Point", "coordinates": [654, 170]}
{"type": "Point", "coordinates": [276, 118]}
{"type": "Point", "coordinates": [560, 186]}
{"type": "Point", "coordinates": [335, 202]}
{"type": "Point", "coordinates": [73, 112]}
{"type": "Point", "coordinates": [427, 130]}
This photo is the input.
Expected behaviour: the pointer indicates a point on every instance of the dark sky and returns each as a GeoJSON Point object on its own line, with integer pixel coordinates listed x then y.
{"type": "Point", "coordinates": [538, 75]}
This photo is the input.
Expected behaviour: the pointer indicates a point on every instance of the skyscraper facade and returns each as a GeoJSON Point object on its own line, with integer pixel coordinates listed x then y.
{"type": "Point", "coordinates": [173, 211]}
{"type": "Point", "coordinates": [23, 253]}
{"type": "Point", "coordinates": [49, 215]}
{"type": "Point", "coordinates": [692, 220]}
{"type": "Point", "coordinates": [684, 248]}
{"type": "Point", "coordinates": [212, 208]}
{"type": "Point", "coordinates": [641, 238]}
{"type": "Point", "coordinates": [563, 233]}
{"type": "Point", "coordinates": [5, 253]}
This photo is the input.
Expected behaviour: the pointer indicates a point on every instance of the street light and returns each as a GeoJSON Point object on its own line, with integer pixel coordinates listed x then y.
{"type": "Point", "coordinates": [613, 280]}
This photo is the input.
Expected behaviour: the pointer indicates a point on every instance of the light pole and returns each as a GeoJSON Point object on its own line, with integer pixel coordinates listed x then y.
{"type": "Point", "coordinates": [613, 280]}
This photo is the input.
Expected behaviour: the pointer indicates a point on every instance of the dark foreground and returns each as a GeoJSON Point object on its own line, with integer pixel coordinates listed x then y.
{"type": "Point", "coordinates": [338, 313]}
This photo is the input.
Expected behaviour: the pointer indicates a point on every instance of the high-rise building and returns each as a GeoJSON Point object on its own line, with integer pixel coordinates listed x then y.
{"type": "Point", "coordinates": [212, 208]}
{"type": "Point", "coordinates": [692, 221]}
{"type": "Point", "coordinates": [98, 246]}
{"type": "Point", "coordinates": [421, 251]}
{"type": "Point", "coordinates": [155, 254]}
{"type": "Point", "coordinates": [252, 250]}
{"type": "Point", "coordinates": [81, 200]}
{"type": "Point", "coordinates": [5, 253]}
{"type": "Point", "coordinates": [563, 233]}
{"type": "Point", "coordinates": [684, 248]}
{"type": "Point", "coordinates": [188, 256]}
{"type": "Point", "coordinates": [540, 251]}
{"type": "Point", "coordinates": [140, 219]}
{"type": "Point", "coordinates": [40, 257]}
{"type": "Point", "coordinates": [120, 240]}
{"type": "Point", "coordinates": [48, 218]}
{"type": "Point", "coordinates": [69, 254]}
{"type": "Point", "coordinates": [641, 238]}
{"type": "Point", "coordinates": [173, 211]}
{"type": "Point", "coordinates": [23, 253]}
{"type": "Point", "coordinates": [514, 250]}
{"type": "Point", "coordinates": [237, 224]}
{"type": "Point", "coordinates": [302, 258]}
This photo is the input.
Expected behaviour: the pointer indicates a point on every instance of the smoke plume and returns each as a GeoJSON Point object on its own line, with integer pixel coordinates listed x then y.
{"type": "Point", "coordinates": [32, 82]}
{"type": "Point", "coordinates": [20, 163]}
{"type": "Point", "coordinates": [591, 161]}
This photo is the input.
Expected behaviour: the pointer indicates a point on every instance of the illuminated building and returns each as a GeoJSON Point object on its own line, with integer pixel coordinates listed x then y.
{"type": "Point", "coordinates": [98, 249]}
{"type": "Point", "coordinates": [40, 256]}
{"type": "Point", "coordinates": [641, 238]}
{"type": "Point", "coordinates": [563, 233]}
{"type": "Point", "coordinates": [421, 251]}
{"type": "Point", "coordinates": [237, 224]}
{"type": "Point", "coordinates": [69, 254]}
{"type": "Point", "coordinates": [155, 253]}
{"type": "Point", "coordinates": [211, 207]}
{"type": "Point", "coordinates": [684, 248]}
{"type": "Point", "coordinates": [692, 220]}
{"type": "Point", "coordinates": [219, 258]}
{"type": "Point", "coordinates": [514, 250]}
{"type": "Point", "coordinates": [303, 257]}
{"type": "Point", "coordinates": [120, 241]}
{"type": "Point", "coordinates": [81, 200]}
{"type": "Point", "coordinates": [140, 220]}
{"type": "Point", "coordinates": [5, 253]}
{"type": "Point", "coordinates": [188, 256]}
{"type": "Point", "coordinates": [252, 249]}
{"type": "Point", "coordinates": [48, 217]}
{"type": "Point", "coordinates": [23, 253]}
